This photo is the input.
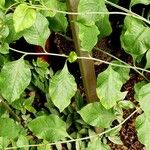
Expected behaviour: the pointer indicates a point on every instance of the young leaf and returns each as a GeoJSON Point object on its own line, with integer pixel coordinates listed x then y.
{"type": "Point", "coordinates": [88, 6]}
{"type": "Point", "coordinates": [23, 17]}
{"type": "Point", "coordinates": [15, 76]}
{"type": "Point", "coordinates": [8, 128]}
{"type": "Point", "coordinates": [88, 40]}
{"type": "Point", "coordinates": [39, 32]}
{"type": "Point", "coordinates": [62, 88]}
{"type": "Point", "coordinates": [147, 59]}
{"type": "Point", "coordinates": [4, 48]}
{"type": "Point", "coordinates": [96, 115]}
{"type": "Point", "coordinates": [22, 141]}
{"type": "Point", "coordinates": [97, 145]}
{"type": "Point", "coordinates": [134, 2]}
{"type": "Point", "coordinates": [143, 129]}
{"type": "Point", "coordinates": [126, 104]}
{"type": "Point", "coordinates": [135, 37]}
{"type": "Point", "coordinates": [72, 57]}
{"type": "Point", "coordinates": [143, 96]}
{"type": "Point", "coordinates": [109, 84]}
{"type": "Point", "coordinates": [50, 128]}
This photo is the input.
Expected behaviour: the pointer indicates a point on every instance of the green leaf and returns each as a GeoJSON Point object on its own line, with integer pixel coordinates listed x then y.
{"type": "Point", "coordinates": [72, 57]}
{"type": "Point", "coordinates": [135, 37]}
{"type": "Point", "coordinates": [104, 26]}
{"type": "Point", "coordinates": [143, 129]}
{"type": "Point", "coordinates": [88, 40]}
{"type": "Point", "coordinates": [4, 142]}
{"type": "Point", "coordinates": [96, 115]}
{"type": "Point", "coordinates": [50, 128]}
{"type": "Point", "coordinates": [2, 3]}
{"type": "Point", "coordinates": [23, 17]}
{"type": "Point", "coordinates": [86, 6]}
{"type": "Point", "coordinates": [124, 72]}
{"type": "Point", "coordinates": [50, 4]}
{"type": "Point", "coordinates": [8, 128]}
{"type": "Point", "coordinates": [126, 104]}
{"type": "Point", "coordinates": [4, 48]}
{"type": "Point", "coordinates": [115, 140]}
{"type": "Point", "coordinates": [96, 144]}
{"type": "Point", "coordinates": [39, 32]}
{"type": "Point", "coordinates": [147, 59]}
{"type": "Point", "coordinates": [13, 36]}
{"type": "Point", "coordinates": [62, 88]}
{"type": "Point", "coordinates": [143, 96]}
{"type": "Point", "coordinates": [109, 84]}
{"type": "Point", "coordinates": [15, 77]}
{"type": "Point", "coordinates": [22, 141]}
{"type": "Point", "coordinates": [134, 2]}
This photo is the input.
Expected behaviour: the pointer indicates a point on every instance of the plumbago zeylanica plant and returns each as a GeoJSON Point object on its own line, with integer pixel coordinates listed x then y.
{"type": "Point", "coordinates": [24, 124]}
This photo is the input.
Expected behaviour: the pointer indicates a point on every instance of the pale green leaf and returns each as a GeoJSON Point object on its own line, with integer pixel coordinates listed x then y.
{"type": "Point", "coordinates": [88, 40]}
{"type": "Point", "coordinates": [2, 3]}
{"type": "Point", "coordinates": [23, 17]}
{"type": "Point", "coordinates": [86, 6]}
{"type": "Point", "coordinates": [15, 76]}
{"type": "Point", "coordinates": [52, 5]}
{"type": "Point", "coordinates": [126, 104]}
{"type": "Point", "coordinates": [147, 59]}
{"type": "Point", "coordinates": [96, 115]}
{"type": "Point", "coordinates": [62, 88]}
{"type": "Point", "coordinates": [134, 2]}
{"type": "Point", "coordinates": [72, 57]}
{"type": "Point", "coordinates": [4, 142]}
{"type": "Point", "coordinates": [96, 144]}
{"type": "Point", "coordinates": [143, 129]}
{"type": "Point", "coordinates": [124, 72]}
{"type": "Point", "coordinates": [22, 142]}
{"type": "Point", "coordinates": [8, 128]}
{"type": "Point", "coordinates": [135, 37]}
{"type": "Point", "coordinates": [50, 128]}
{"type": "Point", "coordinates": [4, 48]}
{"type": "Point", "coordinates": [13, 36]}
{"type": "Point", "coordinates": [143, 96]}
{"type": "Point", "coordinates": [115, 140]}
{"type": "Point", "coordinates": [39, 32]}
{"type": "Point", "coordinates": [109, 84]}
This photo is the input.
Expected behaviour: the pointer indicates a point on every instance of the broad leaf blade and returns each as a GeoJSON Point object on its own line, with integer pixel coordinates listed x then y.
{"type": "Point", "coordinates": [24, 17]}
{"type": "Point", "coordinates": [8, 128]}
{"type": "Point", "coordinates": [96, 115]}
{"type": "Point", "coordinates": [39, 32]}
{"type": "Point", "coordinates": [88, 40]}
{"type": "Point", "coordinates": [109, 84]}
{"type": "Point", "coordinates": [15, 76]}
{"type": "Point", "coordinates": [62, 88]}
{"type": "Point", "coordinates": [50, 128]}
{"type": "Point", "coordinates": [134, 2]}
{"type": "Point", "coordinates": [143, 129]}
{"type": "Point", "coordinates": [135, 37]}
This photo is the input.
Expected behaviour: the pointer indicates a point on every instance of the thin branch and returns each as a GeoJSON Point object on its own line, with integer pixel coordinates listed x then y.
{"type": "Point", "coordinates": [6, 106]}
{"type": "Point", "coordinates": [79, 139]}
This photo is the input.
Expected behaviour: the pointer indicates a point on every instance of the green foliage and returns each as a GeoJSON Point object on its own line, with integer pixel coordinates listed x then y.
{"type": "Point", "coordinates": [15, 76]}
{"type": "Point", "coordinates": [109, 84]}
{"type": "Point", "coordinates": [96, 115]}
{"type": "Point", "coordinates": [135, 31]}
{"type": "Point", "coordinates": [50, 128]}
{"type": "Point", "coordinates": [23, 17]}
{"type": "Point", "coordinates": [134, 2]}
{"type": "Point", "coordinates": [39, 32]}
{"type": "Point", "coordinates": [62, 88]}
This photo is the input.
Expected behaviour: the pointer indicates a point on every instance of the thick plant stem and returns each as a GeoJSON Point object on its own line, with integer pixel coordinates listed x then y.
{"type": "Point", "coordinates": [6, 106]}
{"type": "Point", "coordinates": [86, 66]}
